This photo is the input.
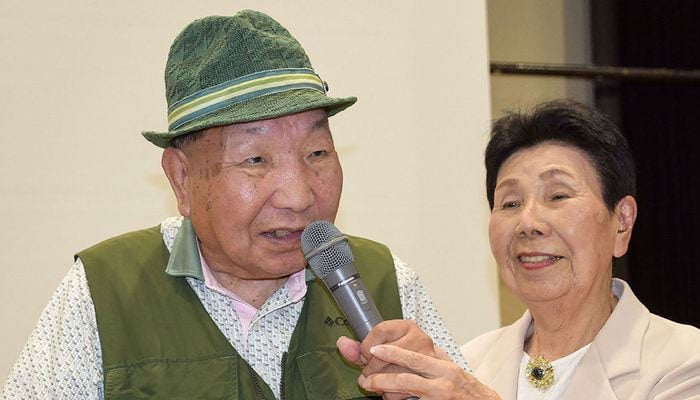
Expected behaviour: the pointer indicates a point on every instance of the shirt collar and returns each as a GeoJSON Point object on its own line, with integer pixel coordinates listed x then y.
{"type": "Point", "coordinates": [184, 254]}
{"type": "Point", "coordinates": [185, 257]}
{"type": "Point", "coordinates": [308, 276]}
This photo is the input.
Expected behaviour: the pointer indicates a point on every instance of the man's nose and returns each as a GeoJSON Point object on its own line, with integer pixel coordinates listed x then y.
{"type": "Point", "coordinates": [531, 222]}
{"type": "Point", "coordinates": [294, 189]}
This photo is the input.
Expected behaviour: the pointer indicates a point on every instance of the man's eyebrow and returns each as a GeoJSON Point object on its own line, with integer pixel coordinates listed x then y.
{"type": "Point", "coordinates": [320, 123]}
{"type": "Point", "coordinates": [253, 129]}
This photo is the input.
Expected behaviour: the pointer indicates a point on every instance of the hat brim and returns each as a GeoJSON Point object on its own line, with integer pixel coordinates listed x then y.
{"type": "Point", "coordinates": [264, 107]}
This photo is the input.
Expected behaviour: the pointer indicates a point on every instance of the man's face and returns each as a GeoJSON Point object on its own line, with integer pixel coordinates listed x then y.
{"type": "Point", "coordinates": [251, 188]}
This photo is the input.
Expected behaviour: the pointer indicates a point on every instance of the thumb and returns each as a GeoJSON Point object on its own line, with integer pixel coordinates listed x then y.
{"type": "Point", "coordinates": [350, 350]}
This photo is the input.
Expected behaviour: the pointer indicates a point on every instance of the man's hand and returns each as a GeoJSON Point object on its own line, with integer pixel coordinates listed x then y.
{"type": "Point", "coordinates": [401, 333]}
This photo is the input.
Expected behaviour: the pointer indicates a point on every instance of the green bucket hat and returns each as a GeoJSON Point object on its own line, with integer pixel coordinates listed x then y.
{"type": "Point", "coordinates": [228, 70]}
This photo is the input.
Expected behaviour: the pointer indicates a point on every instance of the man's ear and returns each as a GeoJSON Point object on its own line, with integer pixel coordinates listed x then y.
{"type": "Point", "coordinates": [626, 215]}
{"type": "Point", "coordinates": [176, 167]}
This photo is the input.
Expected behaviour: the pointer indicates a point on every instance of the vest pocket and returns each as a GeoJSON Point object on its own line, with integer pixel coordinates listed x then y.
{"type": "Point", "coordinates": [173, 379]}
{"type": "Point", "coordinates": [326, 377]}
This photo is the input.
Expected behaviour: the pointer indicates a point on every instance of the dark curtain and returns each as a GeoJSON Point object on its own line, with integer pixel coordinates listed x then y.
{"type": "Point", "coordinates": [662, 123]}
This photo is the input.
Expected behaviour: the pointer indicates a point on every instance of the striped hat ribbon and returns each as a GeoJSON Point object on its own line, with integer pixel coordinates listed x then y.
{"type": "Point", "coordinates": [244, 88]}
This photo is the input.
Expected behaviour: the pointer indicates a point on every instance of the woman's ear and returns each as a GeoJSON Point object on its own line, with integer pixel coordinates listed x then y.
{"type": "Point", "coordinates": [175, 164]}
{"type": "Point", "coordinates": [625, 214]}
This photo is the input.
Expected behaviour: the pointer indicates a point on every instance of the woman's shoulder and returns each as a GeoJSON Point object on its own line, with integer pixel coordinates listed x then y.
{"type": "Point", "coordinates": [665, 335]}
{"type": "Point", "coordinates": [669, 360]}
{"type": "Point", "coordinates": [507, 338]}
{"type": "Point", "coordinates": [665, 354]}
{"type": "Point", "coordinates": [476, 350]}
{"type": "Point", "coordinates": [659, 335]}
{"type": "Point", "coordinates": [483, 341]}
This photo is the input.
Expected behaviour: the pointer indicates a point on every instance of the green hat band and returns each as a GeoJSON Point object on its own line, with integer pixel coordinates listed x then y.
{"type": "Point", "coordinates": [258, 84]}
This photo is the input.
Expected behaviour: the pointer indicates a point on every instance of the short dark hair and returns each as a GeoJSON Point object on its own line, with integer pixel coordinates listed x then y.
{"type": "Point", "coordinates": [569, 123]}
{"type": "Point", "coordinates": [179, 141]}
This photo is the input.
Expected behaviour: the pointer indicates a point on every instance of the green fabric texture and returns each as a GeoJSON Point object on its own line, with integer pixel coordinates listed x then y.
{"type": "Point", "coordinates": [184, 253]}
{"type": "Point", "coordinates": [158, 342]}
{"type": "Point", "coordinates": [218, 49]}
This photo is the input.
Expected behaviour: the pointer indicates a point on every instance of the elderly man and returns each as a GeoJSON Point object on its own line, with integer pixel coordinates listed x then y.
{"type": "Point", "coordinates": [217, 303]}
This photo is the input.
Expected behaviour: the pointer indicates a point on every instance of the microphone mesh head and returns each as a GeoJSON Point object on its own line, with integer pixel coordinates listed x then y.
{"type": "Point", "coordinates": [328, 260]}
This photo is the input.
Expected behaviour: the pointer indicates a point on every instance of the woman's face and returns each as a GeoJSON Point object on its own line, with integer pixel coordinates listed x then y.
{"type": "Point", "coordinates": [550, 232]}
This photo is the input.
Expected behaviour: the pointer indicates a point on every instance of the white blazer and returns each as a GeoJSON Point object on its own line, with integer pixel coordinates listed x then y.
{"type": "Point", "coordinates": [636, 355]}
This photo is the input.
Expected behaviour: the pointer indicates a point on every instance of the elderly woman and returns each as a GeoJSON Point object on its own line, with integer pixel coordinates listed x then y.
{"type": "Point", "coordinates": [560, 182]}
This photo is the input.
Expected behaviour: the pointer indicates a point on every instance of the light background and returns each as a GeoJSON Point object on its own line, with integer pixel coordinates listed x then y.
{"type": "Point", "coordinates": [81, 79]}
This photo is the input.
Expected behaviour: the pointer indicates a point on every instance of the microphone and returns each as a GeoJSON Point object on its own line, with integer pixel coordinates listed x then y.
{"type": "Point", "coordinates": [328, 253]}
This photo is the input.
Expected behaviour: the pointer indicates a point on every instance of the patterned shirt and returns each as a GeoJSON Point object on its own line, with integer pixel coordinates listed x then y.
{"type": "Point", "coordinates": [63, 358]}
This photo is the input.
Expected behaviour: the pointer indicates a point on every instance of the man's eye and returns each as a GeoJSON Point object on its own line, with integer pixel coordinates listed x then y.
{"type": "Point", "coordinates": [254, 160]}
{"type": "Point", "coordinates": [318, 153]}
{"type": "Point", "coordinates": [560, 196]}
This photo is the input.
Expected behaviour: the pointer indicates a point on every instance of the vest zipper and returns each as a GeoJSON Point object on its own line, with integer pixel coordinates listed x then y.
{"type": "Point", "coordinates": [282, 378]}
{"type": "Point", "coordinates": [259, 394]}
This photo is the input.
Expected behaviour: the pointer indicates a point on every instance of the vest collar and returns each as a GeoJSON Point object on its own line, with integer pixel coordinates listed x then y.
{"type": "Point", "coordinates": [184, 254]}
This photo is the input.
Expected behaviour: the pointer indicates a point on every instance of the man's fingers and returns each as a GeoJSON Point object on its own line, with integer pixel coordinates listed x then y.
{"type": "Point", "coordinates": [350, 350]}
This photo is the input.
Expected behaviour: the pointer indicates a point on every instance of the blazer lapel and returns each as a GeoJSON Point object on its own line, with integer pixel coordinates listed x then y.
{"type": "Point", "coordinates": [590, 381]}
{"type": "Point", "coordinates": [501, 366]}
{"type": "Point", "coordinates": [615, 351]}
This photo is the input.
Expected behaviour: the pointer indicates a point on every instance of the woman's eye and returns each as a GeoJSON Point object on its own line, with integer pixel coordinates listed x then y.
{"type": "Point", "coordinates": [560, 196]}
{"type": "Point", "coordinates": [509, 204]}
{"type": "Point", "coordinates": [254, 160]}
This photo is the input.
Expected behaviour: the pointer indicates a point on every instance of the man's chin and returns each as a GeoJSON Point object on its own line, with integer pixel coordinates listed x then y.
{"type": "Point", "coordinates": [283, 271]}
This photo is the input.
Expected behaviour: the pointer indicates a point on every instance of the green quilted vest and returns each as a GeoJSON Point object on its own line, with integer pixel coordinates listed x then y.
{"type": "Point", "coordinates": [158, 341]}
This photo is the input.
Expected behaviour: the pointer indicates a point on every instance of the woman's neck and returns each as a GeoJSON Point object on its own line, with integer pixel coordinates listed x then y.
{"type": "Point", "coordinates": [562, 327]}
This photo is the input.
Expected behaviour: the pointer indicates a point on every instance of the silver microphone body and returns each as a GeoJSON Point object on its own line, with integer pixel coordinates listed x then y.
{"type": "Point", "coordinates": [352, 297]}
{"type": "Point", "coordinates": [328, 253]}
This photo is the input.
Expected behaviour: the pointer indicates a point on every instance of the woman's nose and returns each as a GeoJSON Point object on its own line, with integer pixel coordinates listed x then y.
{"type": "Point", "coordinates": [531, 222]}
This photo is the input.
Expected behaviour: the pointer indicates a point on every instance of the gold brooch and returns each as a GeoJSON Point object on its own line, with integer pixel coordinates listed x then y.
{"type": "Point", "coordinates": [540, 372]}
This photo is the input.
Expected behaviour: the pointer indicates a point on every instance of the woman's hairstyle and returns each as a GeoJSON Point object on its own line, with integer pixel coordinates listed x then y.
{"type": "Point", "coordinates": [569, 123]}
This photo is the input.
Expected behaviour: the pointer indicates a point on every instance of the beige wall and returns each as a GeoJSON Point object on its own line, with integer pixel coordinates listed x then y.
{"type": "Point", "coordinates": [554, 31]}
{"type": "Point", "coordinates": [536, 31]}
{"type": "Point", "coordinates": [80, 79]}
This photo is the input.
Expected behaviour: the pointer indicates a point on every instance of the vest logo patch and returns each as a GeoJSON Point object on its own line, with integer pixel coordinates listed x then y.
{"type": "Point", "coordinates": [331, 322]}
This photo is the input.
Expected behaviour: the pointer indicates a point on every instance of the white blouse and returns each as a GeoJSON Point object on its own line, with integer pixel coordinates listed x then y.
{"type": "Point", "coordinates": [563, 371]}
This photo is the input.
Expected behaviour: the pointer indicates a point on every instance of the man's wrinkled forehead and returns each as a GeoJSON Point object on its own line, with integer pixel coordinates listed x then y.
{"type": "Point", "coordinates": [219, 138]}
{"type": "Point", "coordinates": [318, 120]}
